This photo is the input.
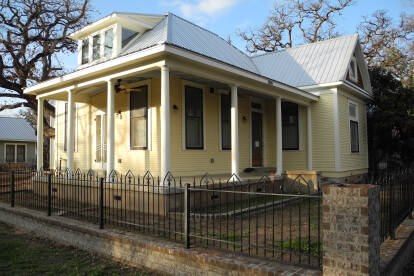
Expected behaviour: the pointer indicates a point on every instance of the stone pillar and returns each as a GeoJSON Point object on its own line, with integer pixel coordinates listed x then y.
{"type": "Point", "coordinates": [165, 121]}
{"type": "Point", "coordinates": [351, 224]}
{"type": "Point", "coordinates": [39, 153]}
{"type": "Point", "coordinates": [234, 131]}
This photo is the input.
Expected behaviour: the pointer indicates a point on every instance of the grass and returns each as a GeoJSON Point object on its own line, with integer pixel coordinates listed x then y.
{"type": "Point", "coordinates": [23, 254]}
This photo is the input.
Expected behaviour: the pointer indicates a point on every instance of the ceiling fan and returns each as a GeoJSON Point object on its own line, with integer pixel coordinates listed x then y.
{"type": "Point", "coordinates": [124, 89]}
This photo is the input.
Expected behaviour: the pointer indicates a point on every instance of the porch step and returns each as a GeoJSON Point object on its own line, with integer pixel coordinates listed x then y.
{"type": "Point", "coordinates": [100, 173]}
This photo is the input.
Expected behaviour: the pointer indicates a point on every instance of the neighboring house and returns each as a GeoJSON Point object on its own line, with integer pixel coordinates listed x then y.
{"type": "Point", "coordinates": [17, 143]}
{"type": "Point", "coordinates": [158, 93]}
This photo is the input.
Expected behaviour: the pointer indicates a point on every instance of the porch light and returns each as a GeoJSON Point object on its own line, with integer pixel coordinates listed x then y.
{"type": "Point", "coordinates": [175, 107]}
{"type": "Point", "coordinates": [119, 113]}
{"type": "Point", "coordinates": [244, 118]}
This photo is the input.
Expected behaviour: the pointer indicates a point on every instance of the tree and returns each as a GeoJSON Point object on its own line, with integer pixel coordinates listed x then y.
{"type": "Point", "coordinates": [32, 33]}
{"type": "Point", "coordinates": [312, 19]}
{"type": "Point", "coordinates": [390, 117]}
{"type": "Point", "coordinates": [389, 45]}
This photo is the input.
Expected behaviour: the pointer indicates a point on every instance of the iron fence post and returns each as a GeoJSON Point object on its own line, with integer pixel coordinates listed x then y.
{"type": "Point", "coordinates": [12, 189]}
{"type": "Point", "coordinates": [101, 204]}
{"type": "Point", "coordinates": [187, 216]}
{"type": "Point", "coordinates": [49, 195]}
{"type": "Point", "coordinates": [391, 214]}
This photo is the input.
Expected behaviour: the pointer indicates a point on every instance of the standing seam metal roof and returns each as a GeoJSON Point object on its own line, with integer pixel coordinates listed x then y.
{"type": "Point", "coordinates": [316, 63]}
{"type": "Point", "coordinates": [182, 33]}
{"type": "Point", "coordinates": [16, 129]}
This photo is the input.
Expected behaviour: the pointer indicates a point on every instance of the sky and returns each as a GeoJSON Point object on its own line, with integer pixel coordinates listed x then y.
{"type": "Point", "coordinates": [225, 17]}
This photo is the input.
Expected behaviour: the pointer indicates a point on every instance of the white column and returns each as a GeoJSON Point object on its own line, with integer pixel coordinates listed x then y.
{"type": "Point", "coordinates": [234, 132]}
{"type": "Point", "coordinates": [165, 121]}
{"type": "Point", "coordinates": [39, 156]}
{"type": "Point", "coordinates": [70, 131]}
{"type": "Point", "coordinates": [279, 147]}
{"type": "Point", "coordinates": [309, 134]}
{"type": "Point", "coordinates": [110, 144]}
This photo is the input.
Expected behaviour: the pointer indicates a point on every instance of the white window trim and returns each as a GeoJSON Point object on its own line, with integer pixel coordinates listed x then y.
{"type": "Point", "coordinates": [355, 79]}
{"type": "Point", "coordinates": [149, 115]}
{"type": "Point", "coordinates": [15, 152]}
{"type": "Point", "coordinates": [225, 92]}
{"type": "Point", "coordinates": [264, 131]}
{"type": "Point", "coordinates": [355, 119]}
{"type": "Point", "coordinates": [102, 47]}
{"type": "Point", "coordinates": [204, 91]}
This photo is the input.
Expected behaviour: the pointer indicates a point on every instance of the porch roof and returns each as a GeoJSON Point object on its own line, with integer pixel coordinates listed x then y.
{"type": "Point", "coordinates": [172, 35]}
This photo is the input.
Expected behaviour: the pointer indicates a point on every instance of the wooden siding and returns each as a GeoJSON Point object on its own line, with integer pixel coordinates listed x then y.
{"type": "Point", "coordinates": [323, 134]}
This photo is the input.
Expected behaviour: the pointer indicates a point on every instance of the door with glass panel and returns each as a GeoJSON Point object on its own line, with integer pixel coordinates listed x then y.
{"type": "Point", "coordinates": [100, 140]}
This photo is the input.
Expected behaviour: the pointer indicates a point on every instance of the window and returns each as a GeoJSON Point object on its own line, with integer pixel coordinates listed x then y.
{"type": "Point", "coordinates": [65, 137]}
{"type": "Point", "coordinates": [127, 36]}
{"type": "Point", "coordinates": [108, 44]}
{"type": "Point", "coordinates": [85, 51]}
{"type": "Point", "coordinates": [353, 70]}
{"type": "Point", "coordinates": [139, 118]}
{"type": "Point", "coordinates": [353, 127]}
{"type": "Point", "coordinates": [290, 126]}
{"type": "Point", "coordinates": [193, 118]}
{"type": "Point", "coordinates": [225, 122]}
{"type": "Point", "coordinates": [96, 47]}
{"type": "Point", "coordinates": [15, 153]}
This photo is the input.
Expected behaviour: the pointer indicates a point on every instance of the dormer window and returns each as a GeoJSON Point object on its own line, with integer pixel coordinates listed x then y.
{"type": "Point", "coordinates": [353, 70]}
{"type": "Point", "coordinates": [109, 41]}
{"type": "Point", "coordinates": [127, 36]}
{"type": "Point", "coordinates": [96, 47]}
{"type": "Point", "coordinates": [85, 51]}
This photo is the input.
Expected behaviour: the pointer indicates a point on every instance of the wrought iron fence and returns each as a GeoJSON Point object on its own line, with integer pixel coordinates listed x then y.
{"type": "Point", "coordinates": [278, 220]}
{"type": "Point", "coordinates": [396, 198]}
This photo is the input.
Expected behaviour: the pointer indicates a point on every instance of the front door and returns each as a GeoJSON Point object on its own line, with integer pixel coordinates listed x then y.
{"type": "Point", "coordinates": [257, 139]}
{"type": "Point", "coordinates": [100, 140]}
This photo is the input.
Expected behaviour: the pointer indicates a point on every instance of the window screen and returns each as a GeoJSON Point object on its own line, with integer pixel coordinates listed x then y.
{"type": "Point", "coordinates": [193, 117]}
{"type": "Point", "coordinates": [225, 122]}
{"type": "Point", "coordinates": [290, 126]}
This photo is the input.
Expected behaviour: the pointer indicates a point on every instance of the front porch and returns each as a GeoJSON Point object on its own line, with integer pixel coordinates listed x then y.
{"type": "Point", "coordinates": [80, 145]}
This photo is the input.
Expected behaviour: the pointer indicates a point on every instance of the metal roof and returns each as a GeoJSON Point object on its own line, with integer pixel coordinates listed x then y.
{"type": "Point", "coordinates": [316, 63]}
{"type": "Point", "coordinates": [182, 33]}
{"type": "Point", "coordinates": [16, 129]}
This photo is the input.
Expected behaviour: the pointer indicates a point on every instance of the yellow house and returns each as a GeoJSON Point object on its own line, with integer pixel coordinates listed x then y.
{"type": "Point", "coordinates": [158, 93]}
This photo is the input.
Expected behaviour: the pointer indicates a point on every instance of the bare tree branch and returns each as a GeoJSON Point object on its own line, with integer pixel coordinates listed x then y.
{"type": "Point", "coordinates": [314, 19]}
{"type": "Point", "coordinates": [32, 33]}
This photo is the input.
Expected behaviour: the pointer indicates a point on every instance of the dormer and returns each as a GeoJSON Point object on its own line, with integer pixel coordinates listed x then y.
{"type": "Point", "coordinates": [105, 38]}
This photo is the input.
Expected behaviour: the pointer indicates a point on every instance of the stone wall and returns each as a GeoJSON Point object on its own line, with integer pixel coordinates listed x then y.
{"type": "Point", "coordinates": [351, 223]}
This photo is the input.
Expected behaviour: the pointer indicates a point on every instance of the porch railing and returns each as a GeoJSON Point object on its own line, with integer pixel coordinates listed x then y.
{"type": "Point", "coordinates": [278, 220]}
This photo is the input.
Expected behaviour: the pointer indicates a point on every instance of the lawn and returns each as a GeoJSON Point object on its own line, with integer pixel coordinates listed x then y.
{"type": "Point", "coordinates": [25, 254]}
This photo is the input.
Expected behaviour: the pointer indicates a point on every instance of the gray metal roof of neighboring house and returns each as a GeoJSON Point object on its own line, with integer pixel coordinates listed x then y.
{"type": "Point", "coordinates": [16, 129]}
{"type": "Point", "coordinates": [182, 33]}
{"type": "Point", "coordinates": [316, 63]}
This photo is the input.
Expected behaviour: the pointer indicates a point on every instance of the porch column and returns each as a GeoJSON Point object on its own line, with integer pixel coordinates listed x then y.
{"type": "Point", "coordinates": [234, 131]}
{"type": "Point", "coordinates": [110, 144]}
{"type": "Point", "coordinates": [279, 147]}
{"type": "Point", "coordinates": [70, 131]}
{"type": "Point", "coordinates": [165, 121]}
{"type": "Point", "coordinates": [309, 132]}
{"type": "Point", "coordinates": [39, 157]}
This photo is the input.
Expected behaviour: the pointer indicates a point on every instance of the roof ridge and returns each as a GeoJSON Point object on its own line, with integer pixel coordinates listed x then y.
{"type": "Point", "coordinates": [210, 33]}
{"type": "Point", "coordinates": [306, 45]}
